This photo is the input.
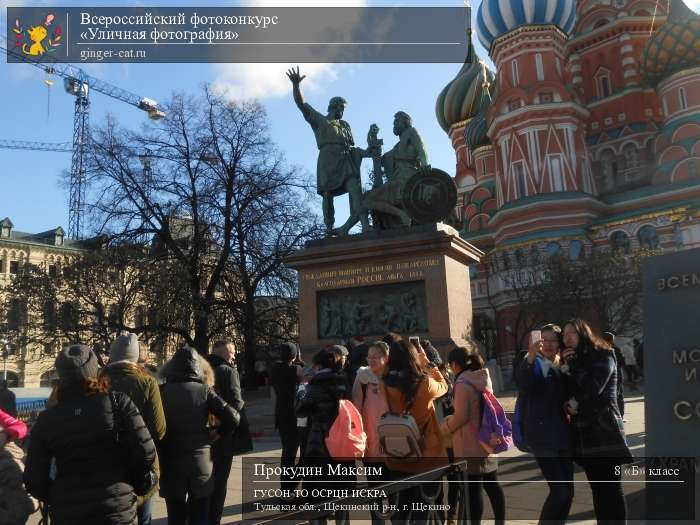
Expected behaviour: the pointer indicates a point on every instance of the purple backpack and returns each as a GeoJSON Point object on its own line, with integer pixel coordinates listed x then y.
{"type": "Point", "coordinates": [495, 430]}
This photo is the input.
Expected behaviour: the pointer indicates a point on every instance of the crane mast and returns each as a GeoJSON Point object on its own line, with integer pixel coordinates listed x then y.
{"type": "Point", "coordinates": [78, 83]}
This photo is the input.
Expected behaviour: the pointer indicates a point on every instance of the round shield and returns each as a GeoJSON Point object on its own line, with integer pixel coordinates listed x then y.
{"type": "Point", "coordinates": [429, 196]}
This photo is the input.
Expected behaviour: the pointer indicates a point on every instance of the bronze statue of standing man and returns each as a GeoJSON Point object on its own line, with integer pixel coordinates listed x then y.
{"type": "Point", "coordinates": [338, 165]}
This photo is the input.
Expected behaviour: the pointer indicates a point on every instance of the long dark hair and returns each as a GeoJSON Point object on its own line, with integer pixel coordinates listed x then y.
{"type": "Point", "coordinates": [466, 358]}
{"type": "Point", "coordinates": [587, 339]}
{"type": "Point", "coordinates": [403, 370]}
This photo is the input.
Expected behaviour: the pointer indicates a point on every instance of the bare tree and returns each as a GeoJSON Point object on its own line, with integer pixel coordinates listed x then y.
{"type": "Point", "coordinates": [604, 287]}
{"type": "Point", "coordinates": [89, 301]}
{"type": "Point", "coordinates": [213, 193]}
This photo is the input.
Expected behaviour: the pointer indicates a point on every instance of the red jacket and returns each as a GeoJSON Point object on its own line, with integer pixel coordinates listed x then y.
{"type": "Point", "coordinates": [15, 428]}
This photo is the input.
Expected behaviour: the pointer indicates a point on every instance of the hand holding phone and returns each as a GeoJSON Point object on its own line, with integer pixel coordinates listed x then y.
{"type": "Point", "coordinates": [535, 345]}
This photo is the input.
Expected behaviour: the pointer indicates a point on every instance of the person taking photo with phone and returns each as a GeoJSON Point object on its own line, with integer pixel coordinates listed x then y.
{"type": "Point", "coordinates": [547, 432]}
{"type": "Point", "coordinates": [599, 436]}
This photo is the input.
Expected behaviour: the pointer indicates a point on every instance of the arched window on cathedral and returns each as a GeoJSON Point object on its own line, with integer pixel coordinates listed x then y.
{"type": "Point", "coordinates": [514, 70]}
{"type": "Point", "coordinates": [620, 242]}
{"type": "Point", "coordinates": [539, 66]}
{"type": "Point", "coordinates": [553, 248]}
{"type": "Point", "coordinates": [648, 238]}
{"type": "Point", "coordinates": [609, 169]}
{"type": "Point", "coordinates": [519, 176]}
{"type": "Point", "coordinates": [575, 250]}
{"type": "Point", "coordinates": [555, 173]}
{"type": "Point", "coordinates": [631, 156]}
{"type": "Point", "coordinates": [682, 100]}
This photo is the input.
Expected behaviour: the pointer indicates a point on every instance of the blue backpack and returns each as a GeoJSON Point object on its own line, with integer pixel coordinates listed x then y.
{"type": "Point", "coordinates": [521, 405]}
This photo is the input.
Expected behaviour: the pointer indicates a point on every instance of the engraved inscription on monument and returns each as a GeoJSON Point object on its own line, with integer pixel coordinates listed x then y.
{"type": "Point", "coordinates": [372, 310]}
{"type": "Point", "coordinates": [368, 274]}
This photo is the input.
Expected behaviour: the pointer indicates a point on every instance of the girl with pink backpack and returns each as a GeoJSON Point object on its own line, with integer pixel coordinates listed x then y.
{"type": "Point", "coordinates": [325, 397]}
{"type": "Point", "coordinates": [472, 381]}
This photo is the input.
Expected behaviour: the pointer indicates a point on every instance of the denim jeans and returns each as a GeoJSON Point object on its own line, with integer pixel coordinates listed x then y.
{"type": "Point", "coordinates": [144, 512]}
{"type": "Point", "coordinates": [556, 466]}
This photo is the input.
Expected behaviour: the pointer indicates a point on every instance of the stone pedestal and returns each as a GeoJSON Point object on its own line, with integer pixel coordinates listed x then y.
{"type": "Point", "coordinates": [411, 281]}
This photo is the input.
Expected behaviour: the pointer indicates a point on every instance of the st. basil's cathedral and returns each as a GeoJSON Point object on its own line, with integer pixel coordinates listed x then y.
{"type": "Point", "coordinates": [586, 137]}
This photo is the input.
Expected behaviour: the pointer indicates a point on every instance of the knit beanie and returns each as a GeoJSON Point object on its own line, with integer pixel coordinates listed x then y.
{"type": "Point", "coordinates": [287, 351]}
{"type": "Point", "coordinates": [76, 362]}
{"type": "Point", "coordinates": [125, 348]}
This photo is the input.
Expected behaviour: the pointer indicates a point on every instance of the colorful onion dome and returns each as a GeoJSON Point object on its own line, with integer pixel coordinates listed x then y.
{"type": "Point", "coordinates": [466, 94]}
{"type": "Point", "coordinates": [498, 17]}
{"type": "Point", "coordinates": [475, 132]}
{"type": "Point", "coordinates": [675, 46]}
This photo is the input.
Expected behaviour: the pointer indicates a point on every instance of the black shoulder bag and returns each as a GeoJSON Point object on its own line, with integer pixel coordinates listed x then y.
{"type": "Point", "coordinates": [142, 482]}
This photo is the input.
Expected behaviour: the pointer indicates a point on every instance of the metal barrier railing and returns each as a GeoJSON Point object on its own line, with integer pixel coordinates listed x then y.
{"type": "Point", "coordinates": [28, 411]}
{"type": "Point", "coordinates": [429, 494]}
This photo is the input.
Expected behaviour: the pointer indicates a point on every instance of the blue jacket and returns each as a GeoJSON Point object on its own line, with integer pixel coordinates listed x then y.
{"type": "Point", "coordinates": [545, 423]}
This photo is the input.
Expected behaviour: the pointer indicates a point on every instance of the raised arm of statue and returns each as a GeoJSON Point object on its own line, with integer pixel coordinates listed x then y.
{"type": "Point", "coordinates": [295, 78]}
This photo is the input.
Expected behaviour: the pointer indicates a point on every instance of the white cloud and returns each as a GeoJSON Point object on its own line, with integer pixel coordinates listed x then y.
{"type": "Point", "coordinates": [693, 4]}
{"type": "Point", "coordinates": [269, 80]}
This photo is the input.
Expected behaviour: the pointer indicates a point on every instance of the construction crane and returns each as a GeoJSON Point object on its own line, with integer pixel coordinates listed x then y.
{"type": "Point", "coordinates": [79, 84]}
{"type": "Point", "coordinates": [40, 146]}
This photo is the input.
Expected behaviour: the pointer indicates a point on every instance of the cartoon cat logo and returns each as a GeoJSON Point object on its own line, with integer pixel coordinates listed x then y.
{"type": "Point", "coordinates": [36, 36]}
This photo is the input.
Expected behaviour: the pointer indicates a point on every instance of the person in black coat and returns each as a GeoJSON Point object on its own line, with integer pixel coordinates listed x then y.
{"type": "Point", "coordinates": [543, 391]}
{"type": "Point", "coordinates": [74, 462]}
{"type": "Point", "coordinates": [186, 464]}
{"type": "Point", "coordinates": [600, 444]}
{"type": "Point", "coordinates": [8, 400]}
{"type": "Point", "coordinates": [285, 377]}
{"type": "Point", "coordinates": [320, 405]}
{"type": "Point", "coordinates": [228, 386]}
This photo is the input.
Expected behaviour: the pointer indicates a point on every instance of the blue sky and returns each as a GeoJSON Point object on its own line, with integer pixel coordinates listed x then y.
{"type": "Point", "coordinates": [30, 193]}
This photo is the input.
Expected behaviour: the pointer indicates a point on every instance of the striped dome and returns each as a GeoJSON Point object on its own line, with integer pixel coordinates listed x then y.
{"type": "Point", "coordinates": [475, 132]}
{"type": "Point", "coordinates": [466, 94]}
{"type": "Point", "coordinates": [675, 46]}
{"type": "Point", "coordinates": [498, 17]}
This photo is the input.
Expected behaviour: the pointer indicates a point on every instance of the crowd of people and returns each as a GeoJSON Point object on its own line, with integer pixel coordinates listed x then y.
{"type": "Point", "coordinates": [112, 436]}
{"type": "Point", "coordinates": [569, 414]}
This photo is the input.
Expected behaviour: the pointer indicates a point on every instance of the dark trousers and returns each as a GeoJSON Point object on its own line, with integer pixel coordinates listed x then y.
{"type": "Point", "coordinates": [556, 466]}
{"type": "Point", "coordinates": [288, 436]}
{"type": "Point", "coordinates": [620, 393]}
{"type": "Point", "coordinates": [608, 498]}
{"type": "Point", "coordinates": [489, 482]}
{"type": "Point", "coordinates": [191, 512]}
{"type": "Point", "coordinates": [375, 480]}
{"type": "Point", "coordinates": [222, 460]}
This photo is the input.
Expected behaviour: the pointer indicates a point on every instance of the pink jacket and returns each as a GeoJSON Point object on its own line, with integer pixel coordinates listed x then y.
{"type": "Point", "coordinates": [372, 409]}
{"type": "Point", "coordinates": [464, 424]}
{"type": "Point", "coordinates": [14, 428]}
